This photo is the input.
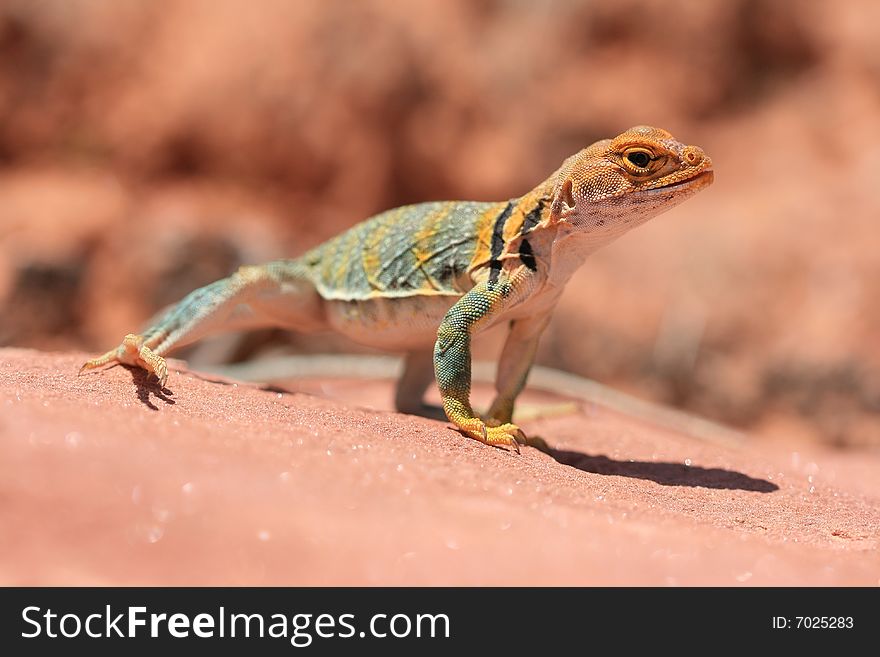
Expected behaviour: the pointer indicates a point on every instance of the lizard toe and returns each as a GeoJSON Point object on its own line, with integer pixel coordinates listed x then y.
{"type": "Point", "coordinates": [504, 435]}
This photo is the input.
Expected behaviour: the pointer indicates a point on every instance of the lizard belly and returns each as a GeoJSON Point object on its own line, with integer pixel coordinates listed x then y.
{"type": "Point", "coordinates": [395, 324]}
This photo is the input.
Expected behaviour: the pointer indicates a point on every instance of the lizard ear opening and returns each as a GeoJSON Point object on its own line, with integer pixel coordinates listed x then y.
{"type": "Point", "coordinates": [563, 202]}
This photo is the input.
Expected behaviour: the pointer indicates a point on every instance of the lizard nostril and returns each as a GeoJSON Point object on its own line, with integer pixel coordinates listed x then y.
{"type": "Point", "coordinates": [692, 155]}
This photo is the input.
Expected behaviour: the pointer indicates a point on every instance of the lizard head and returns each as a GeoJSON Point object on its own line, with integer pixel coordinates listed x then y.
{"type": "Point", "coordinates": [617, 184]}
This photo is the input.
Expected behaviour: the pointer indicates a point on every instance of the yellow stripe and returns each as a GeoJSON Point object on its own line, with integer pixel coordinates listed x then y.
{"type": "Point", "coordinates": [370, 256]}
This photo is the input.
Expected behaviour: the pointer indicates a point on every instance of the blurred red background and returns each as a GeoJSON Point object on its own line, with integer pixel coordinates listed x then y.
{"type": "Point", "coordinates": [148, 148]}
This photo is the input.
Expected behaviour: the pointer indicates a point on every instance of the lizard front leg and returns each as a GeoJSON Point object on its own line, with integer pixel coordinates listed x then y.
{"type": "Point", "coordinates": [452, 360]}
{"type": "Point", "coordinates": [514, 365]}
{"type": "Point", "coordinates": [513, 370]}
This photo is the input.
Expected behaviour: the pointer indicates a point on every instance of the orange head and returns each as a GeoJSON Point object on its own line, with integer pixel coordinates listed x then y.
{"type": "Point", "coordinates": [616, 184]}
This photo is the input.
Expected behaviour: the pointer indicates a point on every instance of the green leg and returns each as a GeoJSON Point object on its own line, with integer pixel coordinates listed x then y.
{"type": "Point", "coordinates": [452, 361]}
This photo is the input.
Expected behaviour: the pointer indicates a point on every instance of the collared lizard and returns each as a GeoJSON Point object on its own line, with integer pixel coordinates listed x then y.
{"type": "Point", "coordinates": [434, 274]}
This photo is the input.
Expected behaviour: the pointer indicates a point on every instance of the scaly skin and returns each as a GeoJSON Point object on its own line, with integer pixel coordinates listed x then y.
{"type": "Point", "coordinates": [437, 273]}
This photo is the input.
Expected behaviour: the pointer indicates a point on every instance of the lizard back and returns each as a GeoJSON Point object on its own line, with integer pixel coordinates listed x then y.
{"type": "Point", "coordinates": [424, 249]}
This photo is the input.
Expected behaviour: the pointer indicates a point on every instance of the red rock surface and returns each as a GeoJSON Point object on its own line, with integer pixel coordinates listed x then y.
{"type": "Point", "coordinates": [149, 148]}
{"type": "Point", "coordinates": [105, 479]}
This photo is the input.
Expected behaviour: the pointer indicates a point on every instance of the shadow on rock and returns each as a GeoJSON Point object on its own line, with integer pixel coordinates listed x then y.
{"type": "Point", "coordinates": [147, 384]}
{"type": "Point", "coordinates": [664, 473]}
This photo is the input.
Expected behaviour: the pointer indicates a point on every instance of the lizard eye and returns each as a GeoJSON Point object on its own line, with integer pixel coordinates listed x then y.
{"type": "Point", "coordinates": [640, 159]}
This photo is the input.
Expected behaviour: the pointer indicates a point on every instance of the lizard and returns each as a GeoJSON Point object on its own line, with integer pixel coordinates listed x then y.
{"type": "Point", "coordinates": [423, 279]}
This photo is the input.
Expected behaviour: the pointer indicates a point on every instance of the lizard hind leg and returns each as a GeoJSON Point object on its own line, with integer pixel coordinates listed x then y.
{"type": "Point", "coordinates": [279, 293]}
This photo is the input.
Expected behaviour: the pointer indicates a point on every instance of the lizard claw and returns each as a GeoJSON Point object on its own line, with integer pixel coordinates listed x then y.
{"type": "Point", "coordinates": [503, 435]}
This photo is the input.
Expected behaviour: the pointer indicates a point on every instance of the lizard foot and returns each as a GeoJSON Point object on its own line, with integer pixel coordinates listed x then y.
{"type": "Point", "coordinates": [132, 351]}
{"type": "Point", "coordinates": [503, 435]}
{"type": "Point", "coordinates": [532, 441]}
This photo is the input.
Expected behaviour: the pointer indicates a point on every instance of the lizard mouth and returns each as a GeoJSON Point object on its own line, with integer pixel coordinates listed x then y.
{"type": "Point", "coordinates": [701, 180]}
